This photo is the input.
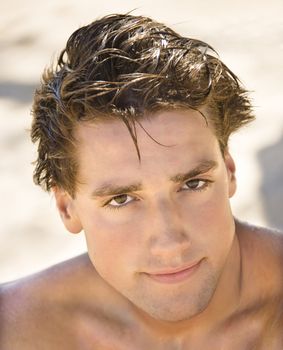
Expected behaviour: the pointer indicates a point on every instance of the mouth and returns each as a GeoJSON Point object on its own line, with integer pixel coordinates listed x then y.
{"type": "Point", "coordinates": [175, 275]}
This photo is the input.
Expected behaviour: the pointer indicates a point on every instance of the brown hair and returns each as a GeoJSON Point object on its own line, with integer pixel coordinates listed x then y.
{"type": "Point", "coordinates": [124, 66]}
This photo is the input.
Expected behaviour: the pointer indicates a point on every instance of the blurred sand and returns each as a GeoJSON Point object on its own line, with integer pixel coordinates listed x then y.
{"type": "Point", "coordinates": [247, 35]}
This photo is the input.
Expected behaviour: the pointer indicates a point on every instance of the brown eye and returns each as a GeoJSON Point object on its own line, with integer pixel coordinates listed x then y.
{"type": "Point", "coordinates": [119, 201]}
{"type": "Point", "coordinates": [193, 184]}
{"type": "Point", "coordinates": [122, 199]}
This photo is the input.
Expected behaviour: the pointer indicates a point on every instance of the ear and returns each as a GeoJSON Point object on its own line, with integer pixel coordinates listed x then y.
{"type": "Point", "coordinates": [66, 207]}
{"type": "Point", "coordinates": [231, 170]}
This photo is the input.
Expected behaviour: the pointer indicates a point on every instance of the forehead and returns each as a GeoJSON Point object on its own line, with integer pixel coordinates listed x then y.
{"type": "Point", "coordinates": [165, 139]}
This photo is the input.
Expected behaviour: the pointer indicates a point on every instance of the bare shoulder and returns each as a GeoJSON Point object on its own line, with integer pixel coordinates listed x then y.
{"type": "Point", "coordinates": [34, 310]}
{"type": "Point", "coordinates": [256, 239]}
{"type": "Point", "coordinates": [262, 280]}
{"type": "Point", "coordinates": [67, 306]}
{"type": "Point", "coordinates": [262, 254]}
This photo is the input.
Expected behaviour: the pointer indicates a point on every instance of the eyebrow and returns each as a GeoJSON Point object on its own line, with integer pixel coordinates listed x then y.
{"type": "Point", "coordinates": [109, 189]}
{"type": "Point", "coordinates": [202, 168]}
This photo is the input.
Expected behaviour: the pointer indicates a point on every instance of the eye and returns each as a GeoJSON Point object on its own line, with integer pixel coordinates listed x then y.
{"type": "Point", "coordinates": [195, 185]}
{"type": "Point", "coordinates": [119, 201]}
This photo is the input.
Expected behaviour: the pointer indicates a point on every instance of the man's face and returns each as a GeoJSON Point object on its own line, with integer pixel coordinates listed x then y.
{"type": "Point", "coordinates": [146, 220]}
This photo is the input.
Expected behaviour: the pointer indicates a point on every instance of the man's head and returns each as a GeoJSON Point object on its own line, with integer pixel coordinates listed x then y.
{"type": "Point", "coordinates": [125, 67]}
{"type": "Point", "coordinates": [123, 79]}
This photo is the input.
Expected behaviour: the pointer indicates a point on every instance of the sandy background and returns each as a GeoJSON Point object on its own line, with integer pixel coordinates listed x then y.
{"type": "Point", "coordinates": [248, 35]}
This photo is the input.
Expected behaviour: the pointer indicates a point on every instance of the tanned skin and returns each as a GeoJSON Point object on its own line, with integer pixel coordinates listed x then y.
{"type": "Point", "coordinates": [125, 293]}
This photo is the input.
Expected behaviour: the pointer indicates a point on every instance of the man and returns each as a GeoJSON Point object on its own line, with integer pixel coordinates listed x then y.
{"type": "Point", "coordinates": [132, 128]}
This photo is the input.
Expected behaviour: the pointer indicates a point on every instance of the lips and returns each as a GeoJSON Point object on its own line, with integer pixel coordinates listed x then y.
{"type": "Point", "coordinates": [175, 275]}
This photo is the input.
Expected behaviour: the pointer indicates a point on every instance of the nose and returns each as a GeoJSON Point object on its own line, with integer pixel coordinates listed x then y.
{"type": "Point", "coordinates": [168, 232]}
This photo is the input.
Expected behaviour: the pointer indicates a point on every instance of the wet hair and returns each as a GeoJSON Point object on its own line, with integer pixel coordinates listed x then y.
{"type": "Point", "coordinates": [125, 67]}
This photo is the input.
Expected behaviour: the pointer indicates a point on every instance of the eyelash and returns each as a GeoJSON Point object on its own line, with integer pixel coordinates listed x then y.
{"type": "Point", "coordinates": [116, 207]}
{"type": "Point", "coordinates": [202, 188]}
{"type": "Point", "coordinates": [206, 184]}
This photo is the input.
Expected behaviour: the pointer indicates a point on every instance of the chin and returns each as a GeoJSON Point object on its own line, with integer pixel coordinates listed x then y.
{"type": "Point", "coordinates": [173, 313]}
{"type": "Point", "coordinates": [181, 307]}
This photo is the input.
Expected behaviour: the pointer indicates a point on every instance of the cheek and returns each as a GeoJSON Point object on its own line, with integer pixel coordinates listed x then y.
{"type": "Point", "coordinates": [210, 220]}
{"type": "Point", "coordinates": [113, 242]}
